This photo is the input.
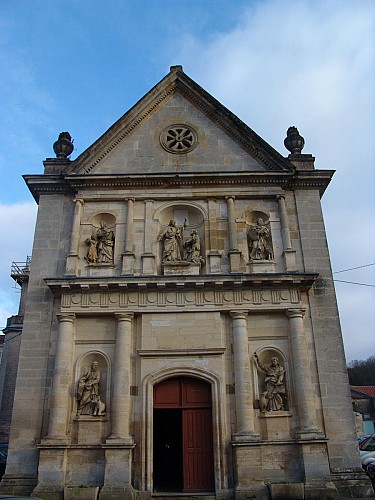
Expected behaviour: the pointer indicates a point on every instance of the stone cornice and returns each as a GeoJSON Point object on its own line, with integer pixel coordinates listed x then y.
{"type": "Point", "coordinates": [273, 292]}
{"type": "Point", "coordinates": [303, 281]}
{"type": "Point", "coordinates": [70, 184]}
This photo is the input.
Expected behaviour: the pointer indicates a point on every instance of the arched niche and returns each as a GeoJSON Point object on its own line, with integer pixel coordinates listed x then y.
{"type": "Point", "coordinates": [101, 243]}
{"type": "Point", "coordinates": [271, 384]}
{"type": "Point", "coordinates": [259, 236]}
{"type": "Point", "coordinates": [83, 366]}
{"type": "Point", "coordinates": [190, 219]}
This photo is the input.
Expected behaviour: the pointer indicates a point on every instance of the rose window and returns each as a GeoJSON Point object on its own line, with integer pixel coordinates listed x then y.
{"type": "Point", "coordinates": [178, 139]}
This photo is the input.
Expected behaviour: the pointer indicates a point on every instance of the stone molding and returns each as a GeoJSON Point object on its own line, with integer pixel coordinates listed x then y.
{"type": "Point", "coordinates": [139, 300]}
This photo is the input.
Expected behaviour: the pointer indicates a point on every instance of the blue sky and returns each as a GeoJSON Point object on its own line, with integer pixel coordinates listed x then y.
{"type": "Point", "coordinates": [80, 65]}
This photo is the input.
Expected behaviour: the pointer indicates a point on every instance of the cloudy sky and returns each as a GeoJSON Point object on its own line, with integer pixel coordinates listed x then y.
{"type": "Point", "coordinates": [79, 66]}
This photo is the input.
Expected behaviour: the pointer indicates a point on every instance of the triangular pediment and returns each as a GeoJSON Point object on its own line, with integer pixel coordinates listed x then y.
{"type": "Point", "coordinates": [178, 127]}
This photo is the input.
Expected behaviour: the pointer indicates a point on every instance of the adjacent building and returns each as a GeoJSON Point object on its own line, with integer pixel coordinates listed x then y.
{"type": "Point", "coordinates": [181, 333]}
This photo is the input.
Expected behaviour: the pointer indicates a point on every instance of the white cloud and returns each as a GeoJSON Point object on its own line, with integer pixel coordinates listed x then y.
{"type": "Point", "coordinates": [18, 223]}
{"type": "Point", "coordinates": [311, 64]}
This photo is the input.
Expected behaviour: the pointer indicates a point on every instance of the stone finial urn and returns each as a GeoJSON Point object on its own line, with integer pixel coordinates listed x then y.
{"type": "Point", "coordinates": [63, 147]}
{"type": "Point", "coordinates": [294, 142]}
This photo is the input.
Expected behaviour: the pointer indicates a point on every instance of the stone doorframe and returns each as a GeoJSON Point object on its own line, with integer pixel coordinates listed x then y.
{"type": "Point", "coordinates": [218, 422]}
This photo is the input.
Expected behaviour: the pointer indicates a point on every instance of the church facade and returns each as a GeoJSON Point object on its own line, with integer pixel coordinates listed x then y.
{"type": "Point", "coordinates": [181, 334]}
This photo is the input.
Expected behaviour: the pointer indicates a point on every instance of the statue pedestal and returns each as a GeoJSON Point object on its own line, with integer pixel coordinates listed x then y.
{"type": "Point", "coordinates": [89, 430]}
{"type": "Point", "coordinates": [261, 266]}
{"type": "Point", "coordinates": [180, 267]}
{"type": "Point", "coordinates": [100, 269]}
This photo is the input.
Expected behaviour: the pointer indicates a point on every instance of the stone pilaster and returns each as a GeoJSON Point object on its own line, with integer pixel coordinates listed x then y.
{"type": "Point", "coordinates": [303, 385]}
{"type": "Point", "coordinates": [121, 379]}
{"type": "Point", "coordinates": [128, 256]}
{"type": "Point", "coordinates": [62, 379]}
{"type": "Point", "coordinates": [288, 253]}
{"type": "Point", "coordinates": [148, 258]}
{"type": "Point", "coordinates": [245, 429]}
{"type": "Point", "coordinates": [119, 446]}
{"type": "Point", "coordinates": [234, 253]}
{"type": "Point", "coordinates": [72, 258]}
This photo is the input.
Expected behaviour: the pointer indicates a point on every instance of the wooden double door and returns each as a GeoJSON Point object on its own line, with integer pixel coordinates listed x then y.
{"type": "Point", "coordinates": [182, 436]}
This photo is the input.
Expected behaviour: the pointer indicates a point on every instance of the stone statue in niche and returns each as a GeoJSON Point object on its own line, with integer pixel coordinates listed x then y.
{"type": "Point", "coordinates": [259, 241]}
{"type": "Point", "coordinates": [176, 249]}
{"type": "Point", "coordinates": [101, 245]}
{"type": "Point", "coordinates": [274, 393]}
{"type": "Point", "coordinates": [172, 238]}
{"type": "Point", "coordinates": [88, 393]}
{"type": "Point", "coordinates": [192, 248]}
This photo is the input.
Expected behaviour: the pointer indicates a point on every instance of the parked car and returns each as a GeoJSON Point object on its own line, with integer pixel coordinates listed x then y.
{"type": "Point", "coordinates": [3, 458]}
{"type": "Point", "coordinates": [370, 471]}
{"type": "Point", "coordinates": [362, 439]}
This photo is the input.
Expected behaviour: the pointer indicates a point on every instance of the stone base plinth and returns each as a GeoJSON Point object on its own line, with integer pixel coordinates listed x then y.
{"type": "Point", "coordinates": [128, 259]}
{"type": "Point", "coordinates": [71, 264]}
{"type": "Point", "coordinates": [177, 267]}
{"type": "Point", "coordinates": [100, 270]}
{"type": "Point", "coordinates": [148, 264]}
{"type": "Point", "coordinates": [80, 493]}
{"type": "Point", "coordinates": [214, 262]}
{"type": "Point", "coordinates": [290, 260]}
{"type": "Point", "coordinates": [261, 266]}
{"type": "Point", "coordinates": [235, 261]}
{"type": "Point", "coordinates": [89, 430]}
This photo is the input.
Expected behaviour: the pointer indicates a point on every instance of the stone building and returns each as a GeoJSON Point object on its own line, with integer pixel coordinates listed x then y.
{"type": "Point", "coordinates": [181, 333]}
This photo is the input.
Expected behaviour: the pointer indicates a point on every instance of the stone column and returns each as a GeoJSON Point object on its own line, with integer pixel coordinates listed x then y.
{"type": "Point", "coordinates": [119, 446]}
{"type": "Point", "coordinates": [121, 379]}
{"type": "Point", "coordinates": [62, 379]}
{"type": "Point", "coordinates": [128, 256]}
{"type": "Point", "coordinates": [148, 258]}
{"type": "Point", "coordinates": [289, 254]}
{"type": "Point", "coordinates": [302, 377]}
{"type": "Point", "coordinates": [72, 258]}
{"type": "Point", "coordinates": [243, 383]}
{"type": "Point", "coordinates": [234, 253]}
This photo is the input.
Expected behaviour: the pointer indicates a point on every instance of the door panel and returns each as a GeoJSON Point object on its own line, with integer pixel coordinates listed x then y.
{"type": "Point", "coordinates": [197, 449]}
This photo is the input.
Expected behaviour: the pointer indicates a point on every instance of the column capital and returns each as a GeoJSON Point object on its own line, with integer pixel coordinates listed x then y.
{"type": "Point", "coordinates": [239, 314]}
{"type": "Point", "coordinates": [124, 316]}
{"type": "Point", "coordinates": [79, 200]}
{"type": "Point", "coordinates": [280, 196]}
{"type": "Point", "coordinates": [230, 197]}
{"type": "Point", "coordinates": [66, 317]}
{"type": "Point", "coordinates": [130, 199]}
{"type": "Point", "coordinates": [295, 313]}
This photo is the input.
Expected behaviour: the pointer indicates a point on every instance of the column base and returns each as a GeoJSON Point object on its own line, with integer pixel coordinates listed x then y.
{"type": "Point", "coordinates": [352, 483]}
{"type": "Point", "coordinates": [245, 437]}
{"type": "Point", "coordinates": [310, 434]}
{"type": "Point", "coordinates": [12, 484]}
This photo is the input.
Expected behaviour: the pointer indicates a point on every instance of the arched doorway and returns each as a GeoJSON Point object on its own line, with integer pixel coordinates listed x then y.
{"type": "Point", "coordinates": [182, 436]}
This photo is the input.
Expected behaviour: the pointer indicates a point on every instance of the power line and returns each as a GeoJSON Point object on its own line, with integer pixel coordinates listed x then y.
{"type": "Point", "coordinates": [354, 283]}
{"type": "Point", "coordinates": [352, 268]}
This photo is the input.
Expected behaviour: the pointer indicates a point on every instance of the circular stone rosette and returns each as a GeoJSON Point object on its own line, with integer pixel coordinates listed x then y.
{"type": "Point", "coordinates": [178, 139]}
